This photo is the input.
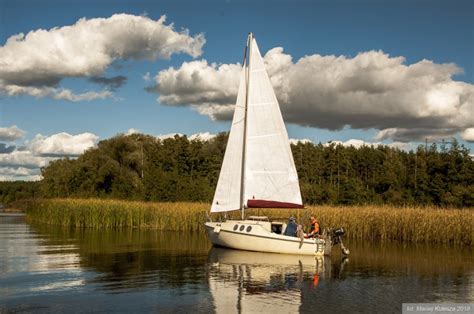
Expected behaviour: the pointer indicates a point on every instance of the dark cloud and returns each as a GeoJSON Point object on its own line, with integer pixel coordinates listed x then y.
{"type": "Point", "coordinates": [112, 83]}
{"type": "Point", "coordinates": [416, 134]}
{"type": "Point", "coordinates": [32, 79]}
{"type": "Point", "coordinates": [4, 149]}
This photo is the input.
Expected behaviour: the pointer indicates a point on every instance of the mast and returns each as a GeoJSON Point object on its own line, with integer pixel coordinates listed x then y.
{"type": "Point", "coordinates": [242, 181]}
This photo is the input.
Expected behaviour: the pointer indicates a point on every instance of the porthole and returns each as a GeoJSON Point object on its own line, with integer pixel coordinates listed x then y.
{"type": "Point", "coordinates": [249, 228]}
{"type": "Point", "coordinates": [235, 227]}
{"type": "Point", "coordinates": [242, 228]}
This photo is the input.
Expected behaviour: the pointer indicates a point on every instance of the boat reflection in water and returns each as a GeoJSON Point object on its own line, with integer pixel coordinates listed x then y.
{"type": "Point", "coordinates": [244, 281]}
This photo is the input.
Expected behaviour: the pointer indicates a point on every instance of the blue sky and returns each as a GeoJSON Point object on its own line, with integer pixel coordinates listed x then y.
{"type": "Point", "coordinates": [439, 31]}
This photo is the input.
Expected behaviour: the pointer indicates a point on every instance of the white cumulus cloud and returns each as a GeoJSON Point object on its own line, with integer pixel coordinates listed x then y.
{"type": "Point", "coordinates": [11, 133]}
{"type": "Point", "coordinates": [35, 63]}
{"type": "Point", "coordinates": [25, 159]}
{"type": "Point", "coordinates": [146, 77]}
{"type": "Point", "coordinates": [62, 144]}
{"type": "Point", "coordinates": [468, 134]}
{"type": "Point", "coordinates": [211, 88]}
{"type": "Point", "coordinates": [55, 93]}
{"type": "Point", "coordinates": [406, 102]}
{"type": "Point", "coordinates": [167, 136]}
{"type": "Point", "coordinates": [25, 162]}
{"type": "Point", "coordinates": [203, 136]}
{"type": "Point", "coordinates": [132, 131]}
{"type": "Point", "coordinates": [357, 143]}
{"type": "Point", "coordinates": [295, 141]}
{"type": "Point", "coordinates": [19, 173]}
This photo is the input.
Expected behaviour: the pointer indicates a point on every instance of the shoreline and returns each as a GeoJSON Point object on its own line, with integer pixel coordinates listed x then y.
{"type": "Point", "coordinates": [11, 211]}
{"type": "Point", "coordinates": [368, 222]}
{"type": "Point", "coordinates": [5, 214]}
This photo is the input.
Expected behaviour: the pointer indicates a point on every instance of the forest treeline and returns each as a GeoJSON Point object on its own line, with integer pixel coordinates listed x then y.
{"type": "Point", "coordinates": [142, 167]}
{"type": "Point", "coordinates": [11, 191]}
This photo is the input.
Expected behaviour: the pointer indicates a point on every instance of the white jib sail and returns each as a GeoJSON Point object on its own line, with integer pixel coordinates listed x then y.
{"type": "Point", "coordinates": [227, 195]}
{"type": "Point", "coordinates": [270, 172]}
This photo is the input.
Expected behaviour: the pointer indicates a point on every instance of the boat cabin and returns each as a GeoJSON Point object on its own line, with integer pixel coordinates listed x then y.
{"type": "Point", "coordinates": [277, 227]}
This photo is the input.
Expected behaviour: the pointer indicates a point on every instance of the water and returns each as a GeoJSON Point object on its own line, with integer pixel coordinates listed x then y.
{"type": "Point", "coordinates": [46, 269]}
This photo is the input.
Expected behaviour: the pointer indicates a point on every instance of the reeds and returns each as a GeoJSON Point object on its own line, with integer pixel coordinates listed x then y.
{"type": "Point", "coordinates": [385, 223]}
{"type": "Point", "coordinates": [390, 223]}
{"type": "Point", "coordinates": [100, 213]}
{"type": "Point", "coordinates": [404, 224]}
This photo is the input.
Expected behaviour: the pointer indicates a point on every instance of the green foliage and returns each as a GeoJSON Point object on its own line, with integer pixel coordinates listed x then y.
{"type": "Point", "coordinates": [18, 190]}
{"type": "Point", "coordinates": [141, 167]}
{"type": "Point", "coordinates": [335, 174]}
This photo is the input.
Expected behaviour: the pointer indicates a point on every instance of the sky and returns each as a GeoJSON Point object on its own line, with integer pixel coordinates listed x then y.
{"type": "Point", "coordinates": [73, 73]}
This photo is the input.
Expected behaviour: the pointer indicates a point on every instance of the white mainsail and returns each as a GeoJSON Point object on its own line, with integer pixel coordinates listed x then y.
{"type": "Point", "coordinates": [260, 144]}
{"type": "Point", "coordinates": [270, 172]}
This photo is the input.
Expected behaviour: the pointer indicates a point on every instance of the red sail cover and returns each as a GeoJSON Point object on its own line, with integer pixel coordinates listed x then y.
{"type": "Point", "coordinates": [271, 204]}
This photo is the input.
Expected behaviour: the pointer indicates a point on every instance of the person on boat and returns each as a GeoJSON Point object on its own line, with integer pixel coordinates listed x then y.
{"type": "Point", "coordinates": [315, 230]}
{"type": "Point", "coordinates": [291, 227]}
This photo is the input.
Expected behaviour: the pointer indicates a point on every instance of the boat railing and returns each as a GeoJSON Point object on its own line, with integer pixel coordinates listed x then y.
{"type": "Point", "coordinates": [258, 218]}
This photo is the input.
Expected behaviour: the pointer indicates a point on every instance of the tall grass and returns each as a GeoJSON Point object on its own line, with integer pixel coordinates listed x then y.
{"type": "Point", "coordinates": [385, 223]}
{"type": "Point", "coordinates": [390, 223]}
{"type": "Point", "coordinates": [100, 213]}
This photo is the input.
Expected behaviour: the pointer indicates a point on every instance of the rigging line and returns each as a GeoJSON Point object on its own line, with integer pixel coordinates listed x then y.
{"type": "Point", "coordinates": [278, 190]}
{"type": "Point", "coordinates": [261, 104]}
{"type": "Point", "coordinates": [237, 122]}
{"type": "Point", "coordinates": [268, 171]}
{"type": "Point", "coordinates": [264, 135]}
{"type": "Point", "coordinates": [245, 54]}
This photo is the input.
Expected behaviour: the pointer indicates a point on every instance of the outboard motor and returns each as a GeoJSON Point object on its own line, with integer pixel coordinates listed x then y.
{"type": "Point", "coordinates": [336, 238]}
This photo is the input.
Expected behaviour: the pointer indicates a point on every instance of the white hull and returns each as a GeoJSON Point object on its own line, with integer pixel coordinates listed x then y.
{"type": "Point", "coordinates": [257, 236]}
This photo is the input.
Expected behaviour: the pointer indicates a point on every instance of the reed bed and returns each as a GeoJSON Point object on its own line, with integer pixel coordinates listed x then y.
{"type": "Point", "coordinates": [101, 213]}
{"type": "Point", "coordinates": [385, 223]}
{"type": "Point", "coordinates": [390, 223]}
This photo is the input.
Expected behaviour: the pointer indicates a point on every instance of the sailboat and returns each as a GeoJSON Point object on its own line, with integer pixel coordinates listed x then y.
{"type": "Point", "coordinates": [258, 170]}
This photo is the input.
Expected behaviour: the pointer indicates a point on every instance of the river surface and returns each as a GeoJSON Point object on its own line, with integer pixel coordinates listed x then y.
{"type": "Point", "coordinates": [48, 269]}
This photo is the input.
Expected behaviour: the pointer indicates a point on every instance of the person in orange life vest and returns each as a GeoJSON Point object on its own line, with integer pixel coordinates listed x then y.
{"type": "Point", "coordinates": [314, 230]}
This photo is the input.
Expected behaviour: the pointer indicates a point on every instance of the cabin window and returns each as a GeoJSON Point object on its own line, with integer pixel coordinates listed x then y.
{"type": "Point", "coordinates": [249, 228]}
{"type": "Point", "coordinates": [276, 228]}
{"type": "Point", "coordinates": [235, 227]}
{"type": "Point", "coordinates": [242, 228]}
